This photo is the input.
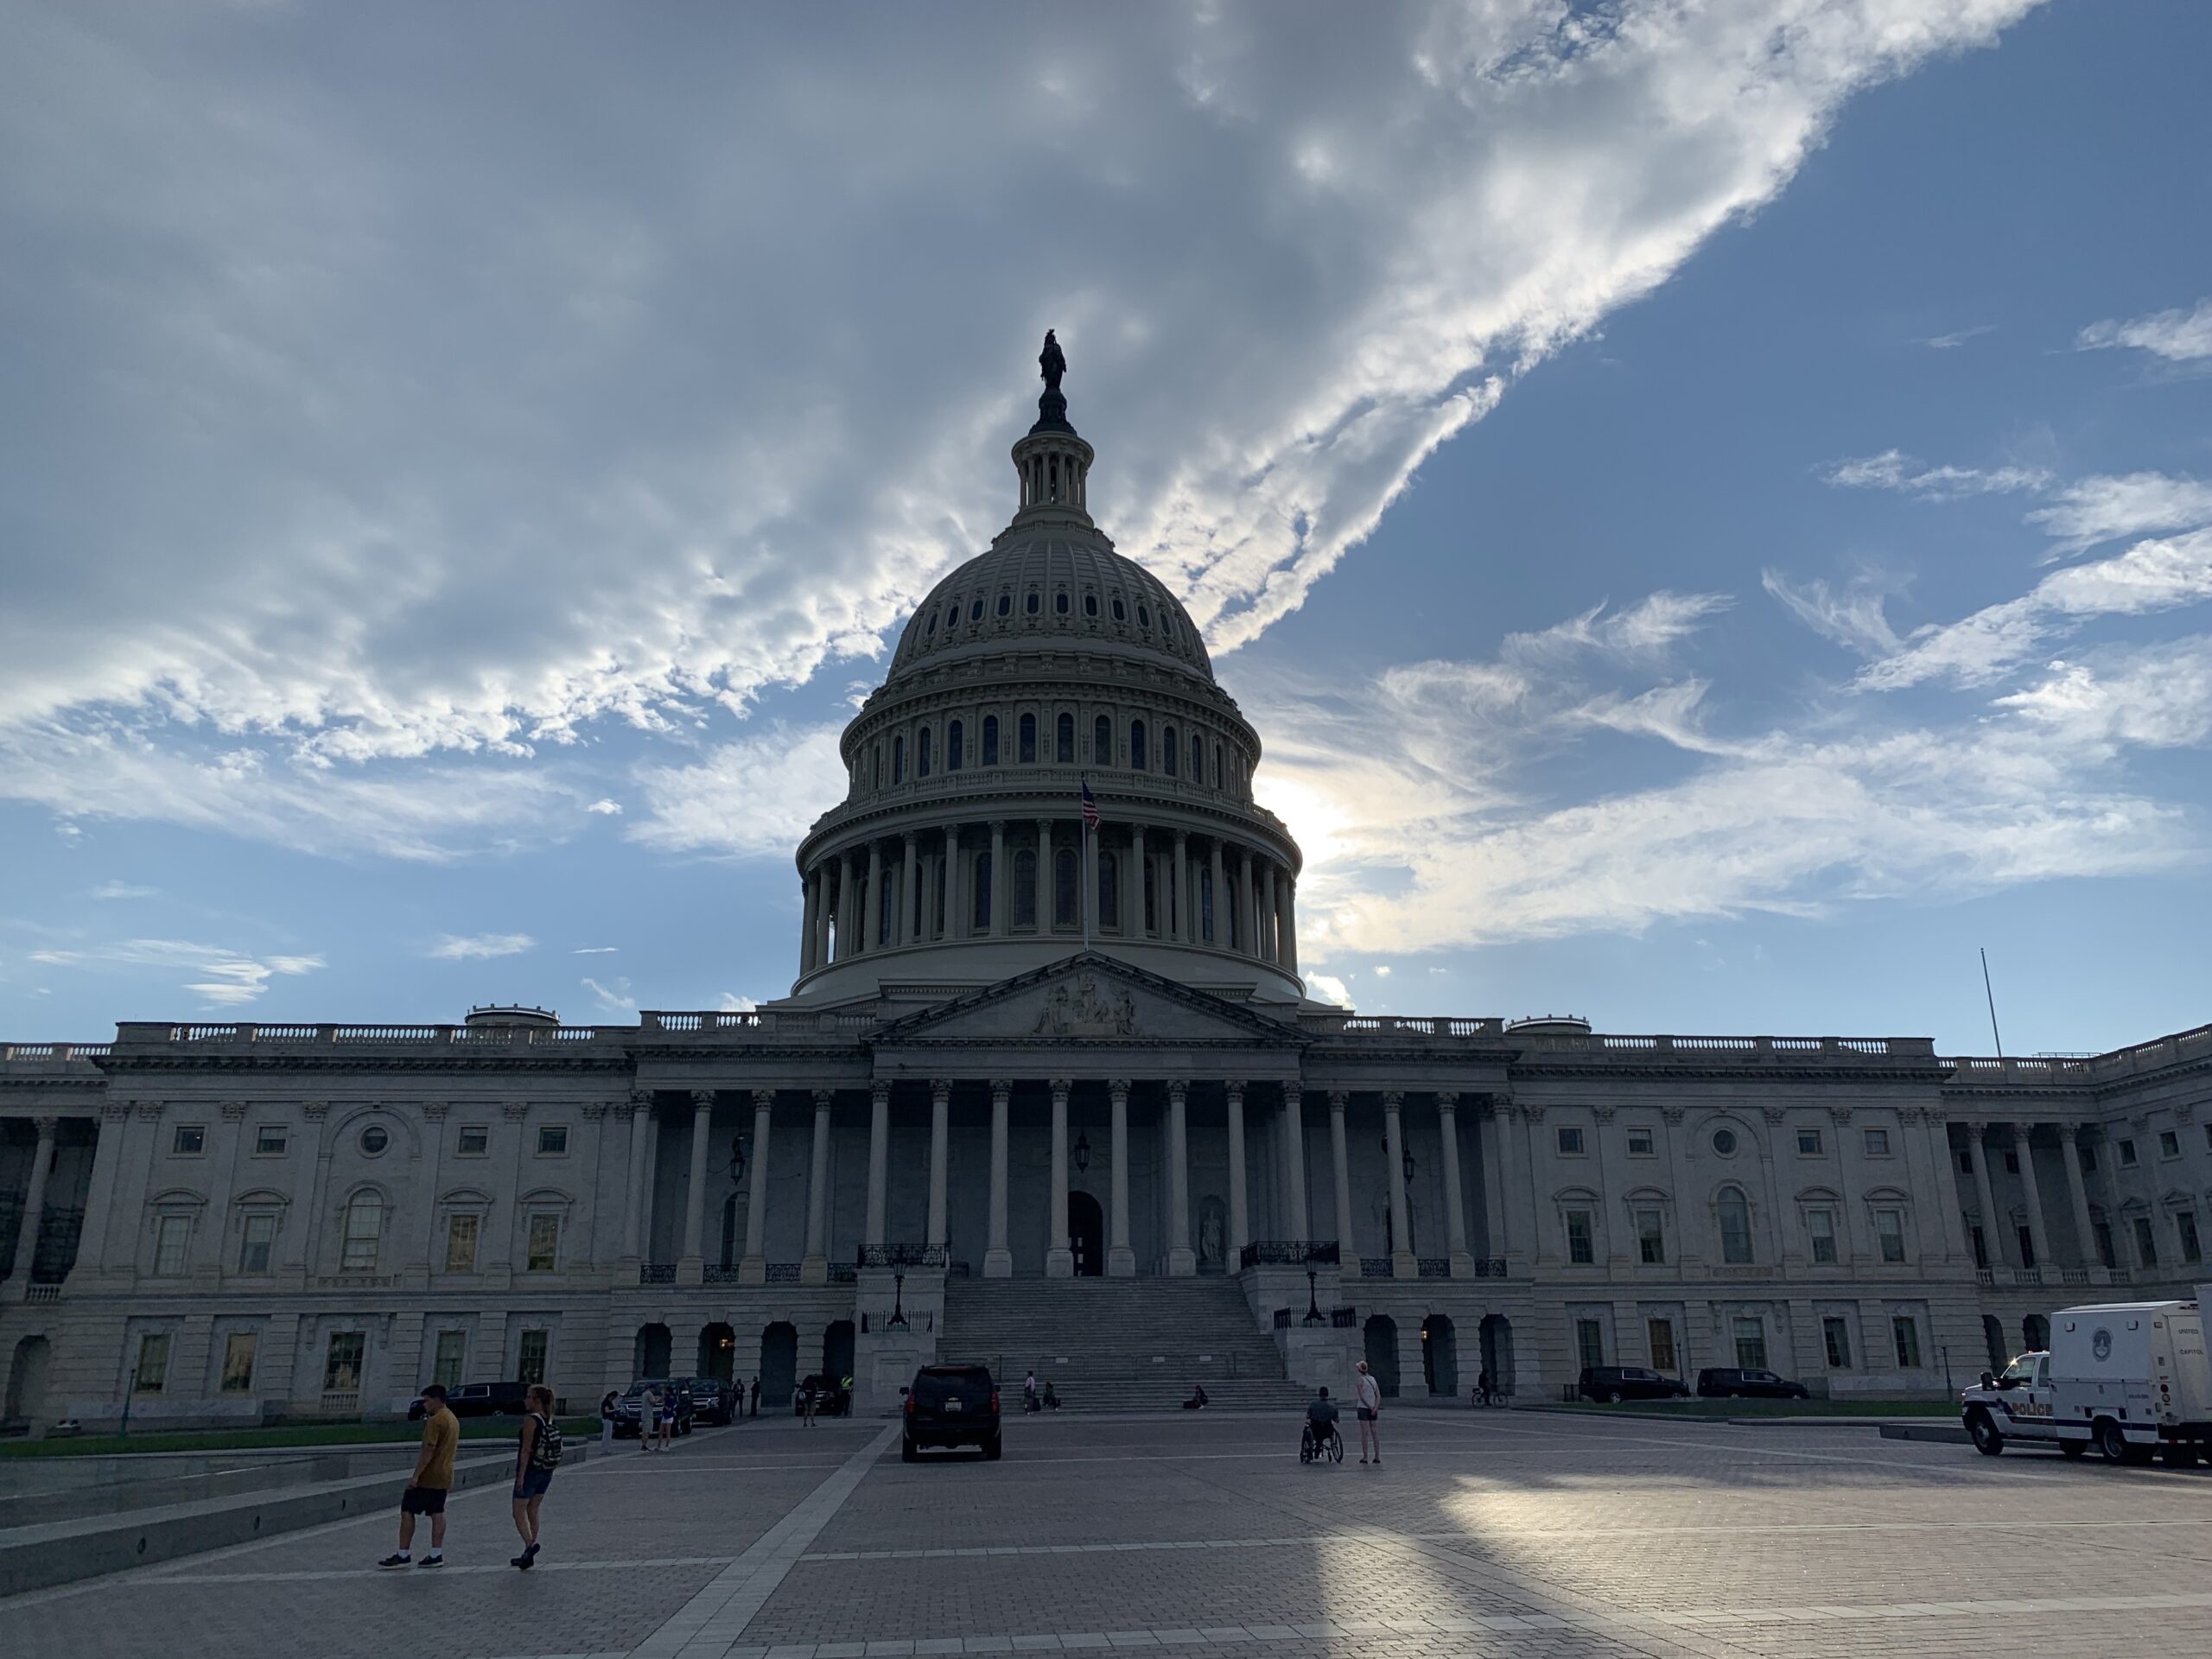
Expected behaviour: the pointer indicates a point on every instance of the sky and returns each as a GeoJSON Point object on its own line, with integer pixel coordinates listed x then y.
{"type": "Point", "coordinates": [1709, 506]}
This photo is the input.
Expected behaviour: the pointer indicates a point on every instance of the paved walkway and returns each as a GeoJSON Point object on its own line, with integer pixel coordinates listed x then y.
{"type": "Point", "coordinates": [1483, 1533]}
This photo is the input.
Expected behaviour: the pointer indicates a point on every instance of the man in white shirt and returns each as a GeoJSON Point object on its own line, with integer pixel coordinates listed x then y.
{"type": "Point", "coordinates": [1367, 1394]}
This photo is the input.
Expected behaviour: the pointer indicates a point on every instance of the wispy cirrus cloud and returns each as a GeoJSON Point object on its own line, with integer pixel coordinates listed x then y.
{"type": "Point", "coordinates": [226, 978]}
{"type": "Point", "coordinates": [479, 947]}
{"type": "Point", "coordinates": [1893, 469]}
{"type": "Point", "coordinates": [2177, 335]}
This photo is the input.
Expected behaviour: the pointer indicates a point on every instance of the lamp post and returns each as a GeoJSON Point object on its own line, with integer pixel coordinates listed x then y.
{"type": "Point", "coordinates": [1313, 1298]}
{"type": "Point", "coordinates": [898, 1303]}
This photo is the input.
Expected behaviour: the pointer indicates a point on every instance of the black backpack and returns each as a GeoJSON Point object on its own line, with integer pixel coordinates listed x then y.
{"type": "Point", "coordinates": [545, 1451]}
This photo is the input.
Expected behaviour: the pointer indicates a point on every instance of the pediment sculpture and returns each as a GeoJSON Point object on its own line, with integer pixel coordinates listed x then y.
{"type": "Point", "coordinates": [1082, 1008]}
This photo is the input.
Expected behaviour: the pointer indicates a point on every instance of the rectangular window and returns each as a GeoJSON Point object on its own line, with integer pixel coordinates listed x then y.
{"type": "Point", "coordinates": [544, 1244]}
{"type": "Point", "coordinates": [2168, 1144]}
{"type": "Point", "coordinates": [1650, 1238]}
{"type": "Point", "coordinates": [1877, 1143]}
{"type": "Point", "coordinates": [254, 1248]}
{"type": "Point", "coordinates": [553, 1141]}
{"type": "Point", "coordinates": [476, 1141]}
{"type": "Point", "coordinates": [530, 1366]}
{"type": "Point", "coordinates": [1579, 1249]}
{"type": "Point", "coordinates": [1590, 1341]}
{"type": "Point", "coordinates": [270, 1141]}
{"type": "Point", "coordinates": [2147, 1242]}
{"type": "Point", "coordinates": [1639, 1143]}
{"type": "Point", "coordinates": [461, 1243]}
{"type": "Point", "coordinates": [1662, 1335]}
{"type": "Point", "coordinates": [1980, 1247]}
{"type": "Point", "coordinates": [341, 1366]}
{"type": "Point", "coordinates": [1820, 1225]}
{"type": "Point", "coordinates": [1570, 1142]}
{"type": "Point", "coordinates": [452, 1350]}
{"type": "Point", "coordinates": [172, 1239]}
{"type": "Point", "coordinates": [153, 1372]}
{"type": "Point", "coordinates": [1836, 1335]}
{"type": "Point", "coordinates": [1889, 1227]}
{"type": "Point", "coordinates": [1809, 1143]}
{"type": "Point", "coordinates": [2103, 1230]}
{"type": "Point", "coordinates": [364, 1235]}
{"type": "Point", "coordinates": [2026, 1240]}
{"type": "Point", "coordinates": [1751, 1345]}
{"type": "Point", "coordinates": [238, 1362]}
{"type": "Point", "coordinates": [190, 1140]}
{"type": "Point", "coordinates": [2185, 1224]}
{"type": "Point", "coordinates": [1905, 1332]}
{"type": "Point", "coordinates": [2127, 1154]}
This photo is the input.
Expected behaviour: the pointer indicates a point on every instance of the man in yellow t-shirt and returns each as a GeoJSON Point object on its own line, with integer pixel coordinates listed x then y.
{"type": "Point", "coordinates": [432, 1479]}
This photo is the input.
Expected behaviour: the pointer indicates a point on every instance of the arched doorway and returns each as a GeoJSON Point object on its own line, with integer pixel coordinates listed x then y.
{"type": "Point", "coordinates": [25, 1400]}
{"type": "Point", "coordinates": [1086, 1234]}
{"type": "Point", "coordinates": [1495, 1336]}
{"type": "Point", "coordinates": [1439, 1355]}
{"type": "Point", "coordinates": [778, 1362]}
{"type": "Point", "coordinates": [718, 1352]}
{"type": "Point", "coordinates": [1383, 1352]}
{"type": "Point", "coordinates": [654, 1351]}
{"type": "Point", "coordinates": [1992, 1340]}
{"type": "Point", "coordinates": [837, 1351]}
{"type": "Point", "coordinates": [2035, 1332]}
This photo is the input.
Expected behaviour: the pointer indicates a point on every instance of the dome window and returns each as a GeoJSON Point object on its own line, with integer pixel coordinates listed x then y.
{"type": "Point", "coordinates": [990, 740]}
{"type": "Point", "coordinates": [1063, 740]}
{"type": "Point", "coordinates": [1197, 760]}
{"type": "Point", "coordinates": [1006, 604]}
{"type": "Point", "coordinates": [1137, 745]}
{"type": "Point", "coordinates": [955, 747]}
{"type": "Point", "coordinates": [1101, 742]}
{"type": "Point", "coordinates": [924, 752]}
{"type": "Point", "coordinates": [897, 760]}
{"type": "Point", "coordinates": [1120, 612]}
{"type": "Point", "coordinates": [1090, 604]}
{"type": "Point", "coordinates": [952, 616]}
{"type": "Point", "coordinates": [1060, 603]}
{"type": "Point", "coordinates": [930, 628]}
{"type": "Point", "coordinates": [1144, 617]}
{"type": "Point", "coordinates": [1167, 749]}
{"type": "Point", "coordinates": [1064, 887]}
{"type": "Point", "coordinates": [1033, 602]}
{"type": "Point", "coordinates": [975, 610]}
{"type": "Point", "coordinates": [1024, 888]}
{"type": "Point", "coordinates": [1027, 755]}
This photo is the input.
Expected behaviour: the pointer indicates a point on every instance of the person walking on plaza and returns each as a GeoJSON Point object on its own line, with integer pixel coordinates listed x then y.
{"type": "Point", "coordinates": [1029, 1392]}
{"type": "Point", "coordinates": [756, 1397]}
{"type": "Point", "coordinates": [536, 1459]}
{"type": "Point", "coordinates": [432, 1480]}
{"type": "Point", "coordinates": [606, 1421]}
{"type": "Point", "coordinates": [806, 1402]}
{"type": "Point", "coordinates": [667, 1416]}
{"type": "Point", "coordinates": [648, 1419]}
{"type": "Point", "coordinates": [1368, 1395]}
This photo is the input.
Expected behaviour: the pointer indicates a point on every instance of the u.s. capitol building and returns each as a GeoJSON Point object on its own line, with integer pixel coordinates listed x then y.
{"type": "Point", "coordinates": [1051, 1099]}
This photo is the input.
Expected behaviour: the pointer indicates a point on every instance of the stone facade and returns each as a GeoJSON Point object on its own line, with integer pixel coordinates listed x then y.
{"type": "Point", "coordinates": [1021, 1047]}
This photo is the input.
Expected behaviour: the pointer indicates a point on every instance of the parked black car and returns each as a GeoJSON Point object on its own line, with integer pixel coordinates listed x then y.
{"type": "Point", "coordinates": [1618, 1382]}
{"type": "Point", "coordinates": [950, 1405]}
{"type": "Point", "coordinates": [478, 1400]}
{"type": "Point", "coordinates": [713, 1401]}
{"type": "Point", "coordinates": [1721, 1383]}
{"type": "Point", "coordinates": [831, 1399]}
{"type": "Point", "coordinates": [632, 1400]}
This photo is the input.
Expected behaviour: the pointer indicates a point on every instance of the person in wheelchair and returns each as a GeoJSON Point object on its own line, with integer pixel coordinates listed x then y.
{"type": "Point", "coordinates": [1318, 1429]}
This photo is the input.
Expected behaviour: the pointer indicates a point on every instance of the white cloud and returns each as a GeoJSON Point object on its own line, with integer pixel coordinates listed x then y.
{"type": "Point", "coordinates": [754, 797]}
{"type": "Point", "coordinates": [1327, 988]}
{"type": "Point", "coordinates": [1895, 470]}
{"type": "Point", "coordinates": [2178, 336]}
{"type": "Point", "coordinates": [478, 947]}
{"type": "Point", "coordinates": [1954, 341]}
{"type": "Point", "coordinates": [594, 951]}
{"type": "Point", "coordinates": [2101, 508]}
{"type": "Point", "coordinates": [1854, 620]}
{"type": "Point", "coordinates": [612, 999]}
{"type": "Point", "coordinates": [732, 1003]}
{"type": "Point", "coordinates": [228, 978]}
{"type": "Point", "coordinates": [605, 808]}
{"type": "Point", "coordinates": [122, 890]}
{"type": "Point", "coordinates": [1382, 970]}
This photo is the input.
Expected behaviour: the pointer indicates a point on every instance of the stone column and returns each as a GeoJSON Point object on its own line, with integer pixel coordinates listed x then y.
{"type": "Point", "coordinates": [2038, 1233]}
{"type": "Point", "coordinates": [1221, 929]}
{"type": "Point", "coordinates": [1490, 1142]}
{"type": "Point", "coordinates": [2084, 1228]}
{"type": "Point", "coordinates": [754, 1269]}
{"type": "Point", "coordinates": [1000, 877]}
{"type": "Point", "coordinates": [1340, 1153]}
{"type": "Point", "coordinates": [814, 1266]}
{"type": "Point", "coordinates": [848, 921]}
{"type": "Point", "coordinates": [910, 887]}
{"type": "Point", "coordinates": [34, 1206]}
{"type": "Point", "coordinates": [1045, 877]}
{"type": "Point", "coordinates": [1133, 887]}
{"type": "Point", "coordinates": [1268, 915]}
{"type": "Point", "coordinates": [1455, 1206]}
{"type": "Point", "coordinates": [1182, 1263]}
{"type": "Point", "coordinates": [1286, 925]}
{"type": "Point", "coordinates": [871, 900]}
{"type": "Point", "coordinates": [1240, 1204]}
{"type": "Point", "coordinates": [1247, 907]}
{"type": "Point", "coordinates": [1293, 1156]}
{"type": "Point", "coordinates": [1060, 1259]}
{"type": "Point", "coordinates": [956, 874]}
{"type": "Point", "coordinates": [1177, 922]}
{"type": "Point", "coordinates": [1402, 1264]}
{"type": "Point", "coordinates": [878, 1157]}
{"type": "Point", "coordinates": [811, 883]}
{"type": "Point", "coordinates": [99, 1197]}
{"type": "Point", "coordinates": [1992, 1234]}
{"type": "Point", "coordinates": [998, 1260]}
{"type": "Point", "coordinates": [1120, 1260]}
{"type": "Point", "coordinates": [689, 1269]}
{"type": "Point", "coordinates": [940, 1144]}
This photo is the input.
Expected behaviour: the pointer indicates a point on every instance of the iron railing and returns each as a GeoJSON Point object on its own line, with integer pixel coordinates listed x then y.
{"type": "Point", "coordinates": [1289, 1253]}
{"type": "Point", "coordinates": [902, 1255]}
{"type": "Point", "coordinates": [1375, 1267]}
{"type": "Point", "coordinates": [655, 1273]}
{"type": "Point", "coordinates": [783, 1273]}
{"type": "Point", "coordinates": [715, 1273]}
{"type": "Point", "coordinates": [1433, 1267]}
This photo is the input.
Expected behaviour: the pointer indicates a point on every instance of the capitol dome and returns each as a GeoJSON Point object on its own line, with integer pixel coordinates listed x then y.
{"type": "Point", "coordinates": [1047, 665]}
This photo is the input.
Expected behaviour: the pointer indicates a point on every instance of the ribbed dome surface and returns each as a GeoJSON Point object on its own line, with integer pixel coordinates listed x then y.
{"type": "Point", "coordinates": [1046, 585]}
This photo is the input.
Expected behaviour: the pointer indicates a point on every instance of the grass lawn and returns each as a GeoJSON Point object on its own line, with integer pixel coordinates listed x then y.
{"type": "Point", "coordinates": [1775, 1408]}
{"type": "Point", "coordinates": [236, 1439]}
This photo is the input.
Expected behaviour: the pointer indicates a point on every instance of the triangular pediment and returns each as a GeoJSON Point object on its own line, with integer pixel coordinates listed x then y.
{"type": "Point", "coordinates": [1089, 998]}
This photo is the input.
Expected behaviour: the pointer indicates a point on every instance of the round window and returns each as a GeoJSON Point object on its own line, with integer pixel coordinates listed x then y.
{"type": "Point", "coordinates": [374, 1139]}
{"type": "Point", "coordinates": [1724, 1142]}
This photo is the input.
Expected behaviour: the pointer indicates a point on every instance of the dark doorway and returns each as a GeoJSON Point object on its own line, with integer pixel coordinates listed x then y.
{"type": "Point", "coordinates": [837, 1351]}
{"type": "Point", "coordinates": [26, 1401]}
{"type": "Point", "coordinates": [1383, 1352]}
{"type": "Point", "coordinates": [1992, 1341]}
{"type": "Point", "coordinates": [1439, 1355]}
{"type": "Point", "coordinates": [1496, 1336]}
{"type": "Point", "coordinates": [718, 1352]}
{"type": "Point", "coordinates": [1086, 1234]}
{"type": "Point", "coordinates": [650, 1356]}
{"type": "Point", "coordinates": [778, 1364]}
{"type": "Point", "coordinates": [2035, 1331]}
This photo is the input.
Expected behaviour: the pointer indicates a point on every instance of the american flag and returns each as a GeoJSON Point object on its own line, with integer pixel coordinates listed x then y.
{"type": "Point", "coordinates": [1090, 807]}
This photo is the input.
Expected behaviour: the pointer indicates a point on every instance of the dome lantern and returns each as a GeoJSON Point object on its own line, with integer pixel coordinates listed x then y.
{"type": "Point", "coordinates": [1053, 461]}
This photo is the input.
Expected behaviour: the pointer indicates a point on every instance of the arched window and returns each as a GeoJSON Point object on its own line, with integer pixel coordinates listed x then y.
{"type": "Point", "coordinates": [1110, 891]}
{"type": "Point", "coordinates": [1197, 760]}
{"type": "Point", "coordinates": [898, 760]}
{"type": "Point", "coordinates": [1064, 887]}
{"type": "Point", "coordinates": [981, 921]}
{"type": "Point", "coordinates": [1090, 604]}
{"type": "Point", "coordinates": [975, 610]}
{"type": "Point", "coordinates": [1205, 905]}
{"type": "Point", "coordinates": [952, 616]}
{"type": "Point", "coordinates": [1102, 741]}
{"type": "Point", "coordinates": [1735, 1226]}
{"type": "Point", "coordinates": [990, 740]}
{"type": "Point", "coordinates": [929, 628]}
{"type": "Point", "coordinates": [1060, 603]}
{"type": "Point", "coordinates": [924, 752]}
{"type": "Point", "coordinates": [1063, 740]}
{"type": "Point", "coordinates": [1150, 922]}
{"type": "Point", "coordinates": [1031, 602]}
{"type": "Point", "coordinates": [1217, 765]}
{"type": "Point", "coordinates": [1024, 888]}
{"type": "Point", "coordinates": [955, 747]}
{"type": "Point", "coordinates": [886, 908]}
{"type": "Point", "coordinates": [1120, 611]}
{"type": "Point", "coordinates": [879, 766]}
{"type": "Point", "coordinates": [1144, 616]}
{"type": "Point", "coordinates": [1167, 749]}
{"type": "Point", "coordinates": [1028, 754]}
{"type": "Point", "coordinates": [1006, 604]}
{"type": "Point", "coordinates": [1137, 745]}
{"type": "Point", "coordinates": [363, 1234]}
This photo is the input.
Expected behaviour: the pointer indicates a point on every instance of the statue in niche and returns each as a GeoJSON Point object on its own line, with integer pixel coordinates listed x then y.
{"type": "Point", "coordinates": [1213, 1232]}
{"type": "Point", "coordinates": [1052, 362]}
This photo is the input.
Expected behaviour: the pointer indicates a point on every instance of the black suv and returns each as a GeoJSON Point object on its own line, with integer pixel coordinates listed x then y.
{"type": "Point", "coordinates": [950, 1405]}
{"type": "Point", "coordinates": [632, 1400]}
{"type": "Point", "coordinates": [1727, 1383]}
{"type": "Point", "coordinates": [1618, 1382]}
{"type": "Point", "coordinates": [479, 1400]}
{"type": "Point", "coordinates": [713, 1401]}
{"type": "Point", "coordinates": [830, 1399]}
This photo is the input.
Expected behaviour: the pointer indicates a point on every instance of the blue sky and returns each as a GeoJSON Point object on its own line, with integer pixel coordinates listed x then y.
{"type": "Point", "coordinates": [1712, 514]}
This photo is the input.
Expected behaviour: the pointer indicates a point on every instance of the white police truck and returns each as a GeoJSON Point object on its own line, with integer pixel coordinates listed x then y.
{"type": "Point", "coordinates": [2129, 1379]}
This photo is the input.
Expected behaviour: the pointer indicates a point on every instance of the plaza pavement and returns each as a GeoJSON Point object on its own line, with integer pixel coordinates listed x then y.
{"type": "Point", "coordinates": [1482, 1532]}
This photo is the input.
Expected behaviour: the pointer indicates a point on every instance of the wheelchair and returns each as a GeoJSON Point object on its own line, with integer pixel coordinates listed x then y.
{"type": "Point", "coordinates": [1312, 1448]}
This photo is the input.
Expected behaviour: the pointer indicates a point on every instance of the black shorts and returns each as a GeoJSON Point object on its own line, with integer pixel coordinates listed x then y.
{"type": "Point", "coordinates": [422, 1500]}
{"type": "Point", "coordinates": [1366, 1415]}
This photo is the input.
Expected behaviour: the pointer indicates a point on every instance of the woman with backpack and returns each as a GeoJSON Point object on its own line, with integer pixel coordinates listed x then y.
{"type": "Point", "coordinates": [536, 1460]}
